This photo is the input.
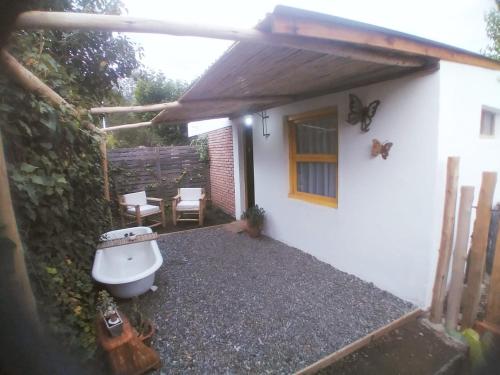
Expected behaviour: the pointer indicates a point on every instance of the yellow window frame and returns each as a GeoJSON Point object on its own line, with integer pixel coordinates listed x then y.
{"type": "Point", "coordinates": [294, 158]}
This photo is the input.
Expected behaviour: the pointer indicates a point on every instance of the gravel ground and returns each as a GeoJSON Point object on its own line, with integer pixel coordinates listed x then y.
{"type": "Point", "coordinates": [230, 304]}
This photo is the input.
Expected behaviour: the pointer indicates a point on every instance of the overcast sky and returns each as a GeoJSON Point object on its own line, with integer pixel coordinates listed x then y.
{"type": "Point", "coordinates": [456, 22]}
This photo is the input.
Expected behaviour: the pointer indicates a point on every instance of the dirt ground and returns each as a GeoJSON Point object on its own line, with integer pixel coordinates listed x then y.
{"type": "Point", "coordinates": [413, 349]}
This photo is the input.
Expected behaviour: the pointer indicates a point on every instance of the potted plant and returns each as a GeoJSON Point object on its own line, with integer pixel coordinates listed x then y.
{"type": "Point", "coordinates": [254, 218]}
{"type": "Point", "coordinates": [107, 307]}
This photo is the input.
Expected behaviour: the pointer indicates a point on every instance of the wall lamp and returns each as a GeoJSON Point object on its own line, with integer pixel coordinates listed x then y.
{"type": "Point", "coordinates": [264, 116]}
{"type": "Point", "coordinates": [248, 120]}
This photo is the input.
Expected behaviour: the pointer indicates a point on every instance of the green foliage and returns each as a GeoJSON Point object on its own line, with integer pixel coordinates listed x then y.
{"type": "Point", "coordinates": [201, 145]}
{"type": "Point", "coordinates": [493, 31]}
{"type": "Point", "coordinates": [106, 304]}
{"type": "Point", "coordinates": [149, 88]}
{"type": "Point", "coordinates": [93, 61]}
{"type": "Point", "coordinates": [54, 165]}
{"type": "Point", "coordinates": [254, 216]}
{"type": "Point", "coordinates": [154, 87]}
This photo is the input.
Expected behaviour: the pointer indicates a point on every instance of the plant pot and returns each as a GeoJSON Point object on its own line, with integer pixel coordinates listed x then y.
{"type": "Point", "coordinates": [146, 337]}
{"type": "Point", "coordinates": [253, 231]}
{"type": "Point", "coordinates": [114, 325]}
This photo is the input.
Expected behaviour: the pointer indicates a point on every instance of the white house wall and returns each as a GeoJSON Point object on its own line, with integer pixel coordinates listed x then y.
{"type": "Point", "coordinates": [382, 228]}
{"type": "Point", "coordinates": [464, 91]}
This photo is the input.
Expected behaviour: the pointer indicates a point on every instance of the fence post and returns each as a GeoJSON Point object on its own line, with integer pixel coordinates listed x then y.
{"type": "Point", "coordinates": [493, 306]}
{"type": "Point", "coordinates": [158, 172]}
{"type": "Point", "coordinates": [18, 282]}
{"type": "Point", "coordinates": [105, 173]}
{"type": "Point", "coordinates": [450, 204]}
{"type": "Point", "coordinates": [477, 257]}
{"type": "Point", "coordinates": [459, 257]}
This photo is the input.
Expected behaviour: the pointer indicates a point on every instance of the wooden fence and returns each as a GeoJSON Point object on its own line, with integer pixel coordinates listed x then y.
{"type": "Point", "coordinates": [158, 170]}
{"type": "Point", "coordinates": [468, 302]}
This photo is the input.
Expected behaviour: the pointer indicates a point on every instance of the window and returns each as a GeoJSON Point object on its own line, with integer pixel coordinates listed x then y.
{"type": "Point", "coordinates": [313, 142]}
{"type": "Point", "coordinates": [488, 119]}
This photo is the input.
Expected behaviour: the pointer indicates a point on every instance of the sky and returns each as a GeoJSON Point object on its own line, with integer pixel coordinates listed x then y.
{"type": "Point", "coordinates": [459, 23]}
{"type": "Point", "coordinates": [456, 22]}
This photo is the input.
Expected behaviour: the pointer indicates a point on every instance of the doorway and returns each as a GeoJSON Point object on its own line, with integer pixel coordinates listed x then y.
{"type": "Point", "coordinates": [249, 176]}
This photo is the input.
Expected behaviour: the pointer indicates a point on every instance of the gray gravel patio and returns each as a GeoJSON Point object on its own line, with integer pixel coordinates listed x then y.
{"type": "Point", "coordinates": [230, 304]}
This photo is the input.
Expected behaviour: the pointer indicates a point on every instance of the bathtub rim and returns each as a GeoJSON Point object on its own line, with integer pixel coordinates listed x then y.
{"type": "Point", "coordinates": [103, 279]}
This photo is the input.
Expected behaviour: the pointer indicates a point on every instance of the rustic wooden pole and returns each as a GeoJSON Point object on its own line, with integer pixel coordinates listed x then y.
{"type": "Point", "coordinates": [459, 257]}
{"type": "Point", "coordinates": [450, 204]}
{"type": "Point", "coordinates": [104, 158]}
{"type": "Point", "coordinates": [19, 279]}
{"type": "Point", "coordinates": [127, 126]}
{"type": "Point", "coordinates": [101, 22]}
{"type": "Point", "coordinates": [493, 306]}
{"type": "Point", "coordinates": [182, 104]}
{"type": "Point", "coordinates": [32, 83]}
{"type": "Point", "coordinates": [28, 80]}
{"type": "Point", "coordinates": [477, 258]}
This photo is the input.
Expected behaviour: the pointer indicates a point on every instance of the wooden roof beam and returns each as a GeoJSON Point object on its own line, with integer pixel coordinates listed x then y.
{"type": "Point", "coordinates": [180, 104]}
{"type": "Point", "coordinates": [94, 22]}
{"type": "Point", "coordinates": [127, 126]}
{"type": "Point", "coordinates": [371, 36]}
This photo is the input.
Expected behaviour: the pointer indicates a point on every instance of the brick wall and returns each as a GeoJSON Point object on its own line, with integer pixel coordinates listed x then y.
{"type": "Point", "coordinates": [220, 151]}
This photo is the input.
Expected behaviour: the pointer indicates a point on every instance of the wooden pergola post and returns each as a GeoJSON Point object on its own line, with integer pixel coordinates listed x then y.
{"type": "Point", "coordinates": [104, 158]}
{"type": "Point", "coordinates": [479, 243]}
{"type": "Point", "coordinates": [19, 279]}
{"type": "Point", "coordinates": [450, 204]}
{"type": "Point", "coordinates": [493, 305]}
{"type": "Point", "coordinates": [459, 257]}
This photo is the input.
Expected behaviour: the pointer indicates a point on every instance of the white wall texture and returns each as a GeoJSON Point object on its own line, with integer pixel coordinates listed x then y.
{"type": "Point", "coordinates": [387, 225]}
{"type": "Point", "coordinates": [380, 230]}
{"type": "Point", "coordinates": [464, 91]}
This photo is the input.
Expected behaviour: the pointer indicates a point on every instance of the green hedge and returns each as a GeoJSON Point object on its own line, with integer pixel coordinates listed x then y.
{"type": "Point", "coordinates": [54, 165]}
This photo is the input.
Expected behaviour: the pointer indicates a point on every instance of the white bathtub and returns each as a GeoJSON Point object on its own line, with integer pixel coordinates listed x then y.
{"type": "Point", "coordinates": [127, 270]}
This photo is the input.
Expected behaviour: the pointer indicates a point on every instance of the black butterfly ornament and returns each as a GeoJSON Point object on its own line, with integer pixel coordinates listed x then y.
{"type": "Point", "coordinates": [359, 113]}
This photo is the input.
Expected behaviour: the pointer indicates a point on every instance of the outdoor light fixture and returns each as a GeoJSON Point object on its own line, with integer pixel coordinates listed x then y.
{"type": "Point", "coordinates": [263, 116]}
{"type": "Point", "coordinates": [248, 120]}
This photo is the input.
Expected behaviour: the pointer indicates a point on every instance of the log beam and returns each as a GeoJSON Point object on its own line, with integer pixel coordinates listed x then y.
{"type": "Point", "coordinates": [32, 83]}
{"type": "Point", "coordinates": [29, 81]}
{"type": "Point", "coordinates": [15, 282]}
{"type": "Point", "coordinates": [127, 126]}
{"type": "Point", "coordinates": [100, 22]}
{"type": "Point", "coordinates": [180, 104]}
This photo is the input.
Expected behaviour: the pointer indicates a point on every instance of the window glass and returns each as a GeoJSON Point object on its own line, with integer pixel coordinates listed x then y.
{"type": "Point", "coordinates": [317, 178]}
{"type": "Point", "coordinates": [487, 123]}
{"type": "Point", "coordinates": [318, 136]}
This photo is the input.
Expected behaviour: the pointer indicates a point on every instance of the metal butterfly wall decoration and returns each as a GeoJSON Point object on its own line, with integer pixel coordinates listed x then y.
{"type": "Point", "coordinates": [379, 148]}
{"type": "Point", "coordinates": [359, 113]}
